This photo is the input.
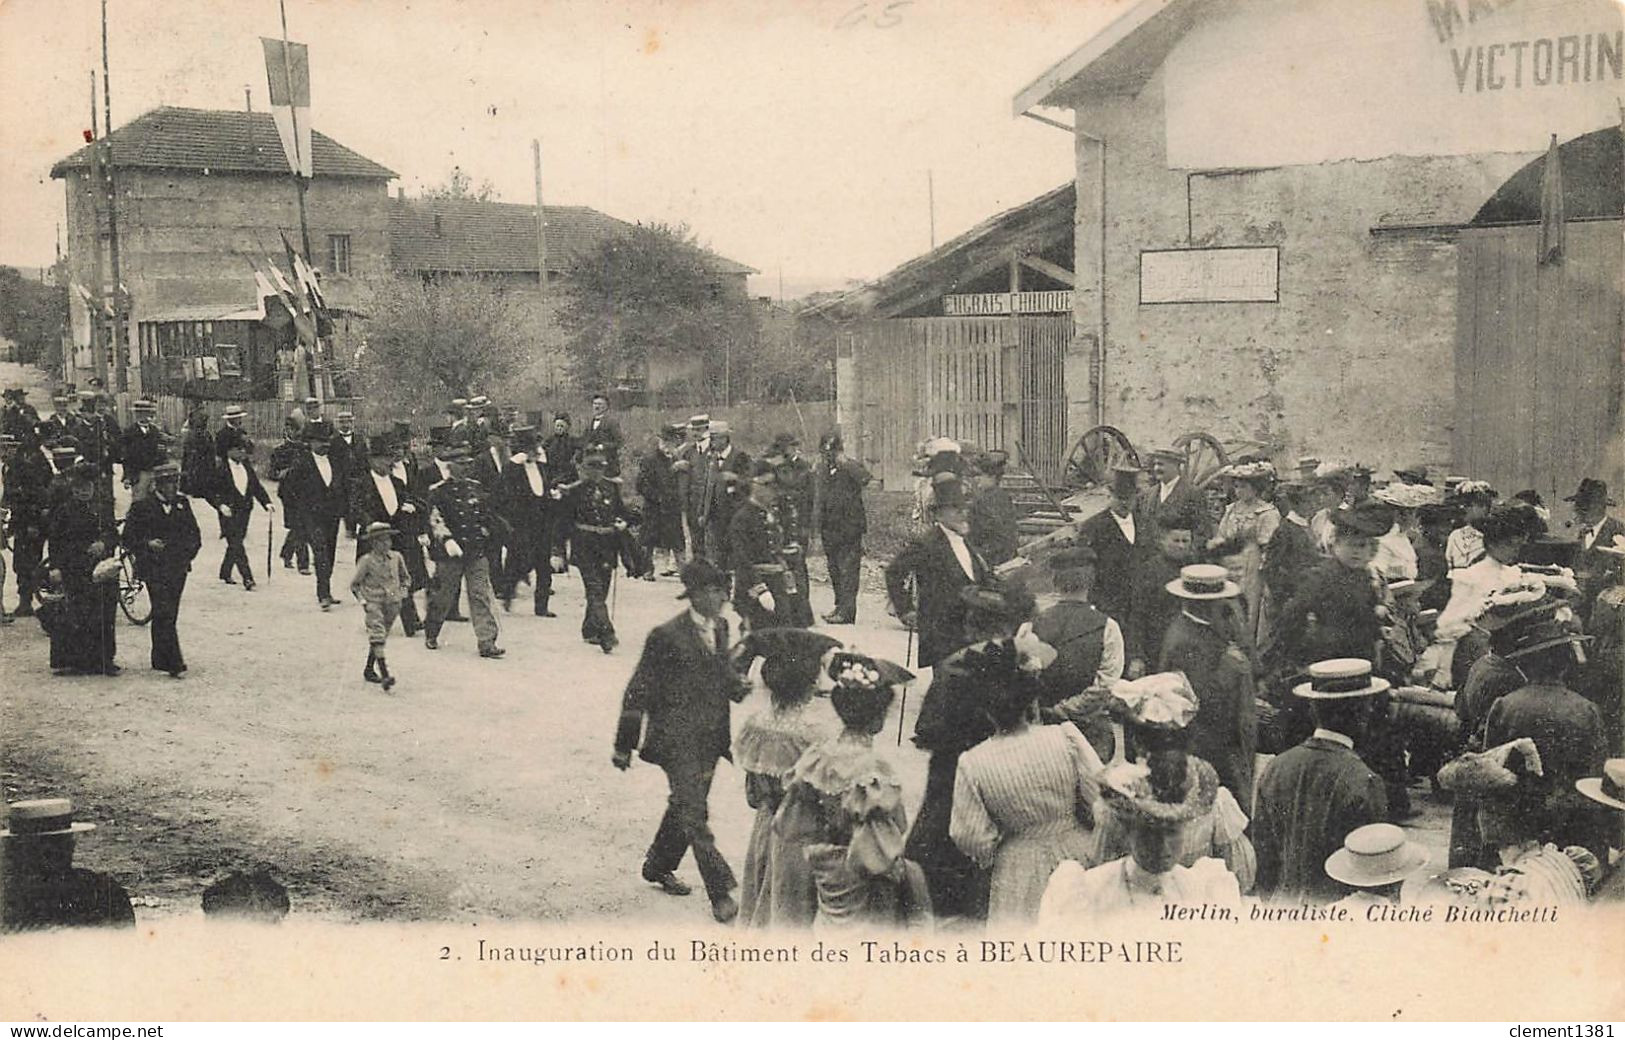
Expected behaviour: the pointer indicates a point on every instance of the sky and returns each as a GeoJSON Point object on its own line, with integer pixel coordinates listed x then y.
{"type": "Point", "coordinates": [795, 136]}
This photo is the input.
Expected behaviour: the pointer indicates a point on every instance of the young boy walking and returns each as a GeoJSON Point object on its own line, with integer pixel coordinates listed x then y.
{"type": "Point", "coordinates": [381, 581]}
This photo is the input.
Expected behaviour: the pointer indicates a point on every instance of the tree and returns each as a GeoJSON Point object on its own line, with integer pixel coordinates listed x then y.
{"type": "Point", "coordinates": [459, 185]}
{"type": "Point", "coordinates": [33, 315]}
{"type": "Point", "coordinates": [429, 340]}
{"type": "Point", "coordinates": [650, 294]}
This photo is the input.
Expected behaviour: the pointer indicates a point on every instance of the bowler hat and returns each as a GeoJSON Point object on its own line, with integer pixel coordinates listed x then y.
{"type": "Point", "coordinates": [1340, 679]}
{"type": "Point", "coordinates": [1375, 855]}
{"type": "Point", "coordinates": [40, 817]}
{"type": "Point", "coordinates": [1590, 493]}
{"type": "Point", "coordinates": [701, 574]}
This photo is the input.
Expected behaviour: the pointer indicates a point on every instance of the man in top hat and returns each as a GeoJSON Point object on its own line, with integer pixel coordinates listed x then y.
{"type": "Point", "coordinates": [316, 486]}
{"type": "Point", "coordinates": [563, 452]}
{"type": "Point", "coordinates": [727, 474]}
{"type": "Point", "coordinates": [1311, 796]}
{"type": "Point", "coordinates": [232, 420]}
{"type": "Point", "coordinates": [463, 527]}
{"type": "Point", "coordinates": [143, 448]}
{"type": "Point", "coordinates": [492, 461]}
{"type": "Point", "coordinates": [1089, 648]}
{"type": "Point", "coordinates": [39, 885]}
{"type": "Point", "coordinates": [603, 433]}
{"type": "Point", "coordinates": [1203, 643]}
{"type": "Point", "coordinates": [379, 497]}
{"type": "Point", "coordinates": [675, 713]}
{"type": "Point", "coordinates": [993, 517]}
{"type": "Point", "coordinates": [940, 563]}
{"type": "Point", "coordinates": [1174, 501]}
{"type": "Point", "coordinates": [405, 467]}
{"type": "Point", "coordinates": [762, 582]}
{"type": "Point", "coordinates": [841, 522]}
{"type": "Point", "coordinates": [1567, 729]}
{"type": "Point", "coordinates": [1117, 535]}
{"type": "Point", "coordinates": [295, 542]}
{"type": "Point", "coordinates": [162, 534]}
{"type": "Point", "coordinates": [1595, 569]}
{"type": "Point", "coordinates": [530, 510]}
{"type": "Point", "coordinates": [236, 490]}
{"type": "Point", "coordinates": [26, 478]}
{"type": "Point", "coordinates": [593, 518]}
{"type": "Point", "coordinates": [657, 485]}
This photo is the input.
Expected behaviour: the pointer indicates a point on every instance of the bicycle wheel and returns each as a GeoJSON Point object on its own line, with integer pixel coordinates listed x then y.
{"type": "Point", "coordinates": [132, 593]}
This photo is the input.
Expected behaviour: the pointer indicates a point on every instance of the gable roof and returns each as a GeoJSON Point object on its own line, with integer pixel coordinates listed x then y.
{"type": "Point", "coordinates": [474, 236]}
{"type": "Point", "coordinates": [228, 142]}
{"type": "Point", "coordinates": [961, 259]}
{"type": "Point", "coordinates": [1118, 59]}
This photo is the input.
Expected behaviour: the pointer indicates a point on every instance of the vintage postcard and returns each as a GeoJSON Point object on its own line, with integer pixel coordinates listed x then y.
{"type": "Point", "coordinates": [812, 510]}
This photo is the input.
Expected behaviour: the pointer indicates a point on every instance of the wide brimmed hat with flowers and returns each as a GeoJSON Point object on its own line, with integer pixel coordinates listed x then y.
{"type": "Point", "coordinates": [1407, 496]}
{"type": "Point", "coordinates": [1163, 700]}
{"type": "Point", "coordinates": [1126, 789]}
{"type": "Point", "coordinates": [1497, 771]}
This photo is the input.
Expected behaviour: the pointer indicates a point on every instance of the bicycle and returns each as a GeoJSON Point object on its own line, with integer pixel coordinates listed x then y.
{"type": "Point", "coordinates": [133, 600]}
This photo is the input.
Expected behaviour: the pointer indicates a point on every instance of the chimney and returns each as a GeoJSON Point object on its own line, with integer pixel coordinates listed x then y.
{"type": "Point", "coordinates": [439, 232]}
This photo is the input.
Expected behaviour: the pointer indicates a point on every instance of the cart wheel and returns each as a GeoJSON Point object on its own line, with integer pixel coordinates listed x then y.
{"type": "Point", "coordinates": [132, 593]}
{"type": "Point", "coordinates": [1091, 460]}
{"type": "Point", "coordinates": [1204, 457]}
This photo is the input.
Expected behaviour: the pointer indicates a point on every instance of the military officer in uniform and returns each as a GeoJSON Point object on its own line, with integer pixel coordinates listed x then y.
{"type": "Point", "coordinates": [762, 583]}
{"type": "Point", "coordinates": [463, 530]}
{"type": "Point", "coordinates": [594, 519]}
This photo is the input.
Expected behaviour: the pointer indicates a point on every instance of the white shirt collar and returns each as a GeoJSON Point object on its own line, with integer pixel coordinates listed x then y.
{"type": "Point", "coordinates": [1334, 736]}
{"type": "Point", "coordinates": [1200, 621]}
{"type": "Point", "coordinates": [1125, 524]}
{"type": "Point", "coordinates": [1293, 517]}
{"type": "Point", "coordinates": [961, 551]}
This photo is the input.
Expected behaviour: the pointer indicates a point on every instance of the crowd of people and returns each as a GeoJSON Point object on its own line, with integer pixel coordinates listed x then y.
{"type": "Point", "coordinates": [1100, 752]}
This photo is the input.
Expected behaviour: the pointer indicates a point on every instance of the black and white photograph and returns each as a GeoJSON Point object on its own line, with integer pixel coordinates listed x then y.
{"type": "Point", "coordinates": [812, 510]}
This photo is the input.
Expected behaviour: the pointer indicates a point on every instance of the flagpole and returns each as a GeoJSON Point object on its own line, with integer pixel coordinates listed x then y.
{"type": "Point", "coordinates": [98, 358]}
{"type": "Point", "coordinates": [300, 185]}
{"type": "Point", "coordinates": [121, 346]}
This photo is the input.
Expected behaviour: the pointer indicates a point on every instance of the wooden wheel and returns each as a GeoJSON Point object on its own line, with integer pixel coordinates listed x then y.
{"type": "Point", "coordinates": [1091, 460]}
{"type": "Point", "coordinates": [1204, 457]}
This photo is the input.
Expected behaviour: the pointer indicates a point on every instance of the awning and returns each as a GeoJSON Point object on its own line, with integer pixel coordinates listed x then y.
{"type": "Point", "coordinates": [204, 312]}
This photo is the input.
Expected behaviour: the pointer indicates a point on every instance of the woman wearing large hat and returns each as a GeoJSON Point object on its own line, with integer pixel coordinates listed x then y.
{"type": "Point", "coordinates": [776, 890]}
{"type": "Point", "coordinates": [1155, 802]}
{"type": "Point", "coordinates": [1159, 713]}
{"type": "Point", "coordinates": [1250, 521]}
{"type": "Point", "coordinates": [1024, 799]}
{"type": "Point", "coordinates": [844, 806]}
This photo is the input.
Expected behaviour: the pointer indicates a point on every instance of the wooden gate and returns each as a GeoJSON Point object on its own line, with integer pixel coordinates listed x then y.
{"type": "Point", "coordinates": [1538, 360]}
{"type": "Point", "coordinates": [989, 381]}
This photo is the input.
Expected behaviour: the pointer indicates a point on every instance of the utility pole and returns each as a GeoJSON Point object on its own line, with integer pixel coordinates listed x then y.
{"type": "Point", "coordinates": [98, 353]}
{"type": "Point", "coordinates": [541, 252]}
{"type": "Point", "coordinates": [121, 345]}
{"type": "Point", "coordinates": [931, 204]}
{"type": "Point", "coordinates": [248, 100]}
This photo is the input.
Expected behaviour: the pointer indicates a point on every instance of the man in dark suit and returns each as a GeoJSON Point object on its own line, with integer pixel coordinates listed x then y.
{"type": "Point", "coordinates": [143, 448]}
{"type": "Point", "coordinates": [727, 475]}
{"type": "Point", "coordinates": [1291, 553]}
{"type": "Point", "coordinates": [295, 548]}
{"type": "Point", "coordinates": [1174, 498]}
{"type": "Point", "coordinates": [756, 555]}
{"type": "Point", "coordinates": [378, 496]}
{"type": "Point", "coordinates": [1202, 642]}
{"type": "Point", "coordinates": [348, 450]}
{"type": "Point", "coordinates": [231, 425]}
{"type": "Point", "coordinates": [692, 463]}
{"type": "Point", "coordinates": [603, 433]}
{"type": "Point", "coordinates": [1596, 570]}
{"type": "Point", "coordinates": [941, 562]}
{"type": "Point", "coordinates": [530, 508]}
{"type": "Point", "coordinates": [1118, 535]}
{"type": "Point", "coordinates": [237, 488]}
{"type": "Point", "coordinates": [491, 466]}
{"type": "Point", "coordinates": [317, 484]}
{"type": "Point", "coordinates": [841, 524]}
{"type": "Point", "coordinates": [1311, 796]}
{"type": "Point", "coordinates": [162, 534]}
{"type": "Point", "coordinates": [676, 708]}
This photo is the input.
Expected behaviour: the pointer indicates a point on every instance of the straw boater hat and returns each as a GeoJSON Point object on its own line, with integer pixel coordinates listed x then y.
{"type": "Point", "coordinates": [1173, 455]}
{"type": "Point", "coordinates": [1203, 581]}
{"type": "Point", "coordinates": [457, 404]}
{"type": "Point", "coordinates": [721, 426]}
{"type": "Point", "coordinates": [233, 411]}
{"type": "Point", "coordinates": [378, 529]}
{"type": "Point", "coordinates": [1609, 788]}
{"type": "Point", "coordinates": [1375, 855]}
{"type": "Point", "coordinates": [41, 817]}
{"type": "Point", "coordinates": [699, 422]}
{"type": "Point", "coordinates": [1341, 678]}
{"type": "Point", "coordinates": [144, 404]}
{"type": "Point", "coordinates": [167, 470]}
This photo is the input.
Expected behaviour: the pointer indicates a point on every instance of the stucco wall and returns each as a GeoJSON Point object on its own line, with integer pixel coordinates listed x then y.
{"type": "Point", "coordinates": [1356, 360]}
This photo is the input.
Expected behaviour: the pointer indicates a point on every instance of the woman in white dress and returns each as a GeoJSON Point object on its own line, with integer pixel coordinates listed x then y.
{"type": "Point", "coordinates": [1248, 524]}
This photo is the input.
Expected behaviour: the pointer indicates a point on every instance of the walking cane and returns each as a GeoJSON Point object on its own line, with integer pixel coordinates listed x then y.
{"type": "Point", "coordinates": [270, 536]}
{"type": "Point", "coordinates": [908, 662]}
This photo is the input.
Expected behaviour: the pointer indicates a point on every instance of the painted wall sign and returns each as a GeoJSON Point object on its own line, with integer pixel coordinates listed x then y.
{"type": "Point", "coordinates": [962, 305]}
{"type": "Point", "coordinates": [1241, 275]}
{"type": "Point", "coordinates": [1328, 80]}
